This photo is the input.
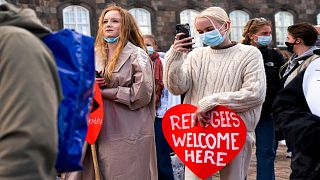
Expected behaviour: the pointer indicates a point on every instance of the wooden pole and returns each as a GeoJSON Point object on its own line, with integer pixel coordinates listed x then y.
{"type": "Point", "coordinates": [95, 162]}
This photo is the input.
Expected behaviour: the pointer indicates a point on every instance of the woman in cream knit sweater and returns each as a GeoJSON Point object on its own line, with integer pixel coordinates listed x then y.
{"type": "Point", "coordinates": [223, 73]}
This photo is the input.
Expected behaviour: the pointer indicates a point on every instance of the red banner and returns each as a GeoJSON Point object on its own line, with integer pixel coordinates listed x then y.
{"type": "Point", "coordinates": [96, 116]}
{"type": "Point", "coordinates": [204, 150]}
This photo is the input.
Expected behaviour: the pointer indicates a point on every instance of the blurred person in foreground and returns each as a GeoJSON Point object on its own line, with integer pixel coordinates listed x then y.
{"type": "Point", "coordinates": [29, 97]}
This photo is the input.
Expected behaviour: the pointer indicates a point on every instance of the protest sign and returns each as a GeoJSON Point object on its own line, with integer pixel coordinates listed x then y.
{"type": "Point", "coordinates": [96, 116]}
{"type": "Point", "coordinates": [204, 150]}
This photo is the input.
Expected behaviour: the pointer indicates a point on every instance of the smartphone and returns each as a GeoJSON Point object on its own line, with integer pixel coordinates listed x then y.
{"type": "Point", "coordinates": [98, 75]}
{"type": "Point", "coordinates": [184, 28]}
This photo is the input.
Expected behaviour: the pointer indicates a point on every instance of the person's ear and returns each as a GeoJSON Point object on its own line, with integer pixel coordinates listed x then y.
{"type": "Point", "coordinates": [227, 25]}
{"type": "Point", "coordinates": [299, 41]}
{"type": "Point", "coordinates": [251, 36]}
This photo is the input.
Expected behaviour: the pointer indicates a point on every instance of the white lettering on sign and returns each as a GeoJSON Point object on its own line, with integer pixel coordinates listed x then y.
{"type": "Point", "coordinates": [204, 140]}
{"type": "Point", "coordinates": [224, 119]}
{"type": "Point", "coordinates": [174, 122]}
{"type": "Point", "coordinates": [205, 156]}
{"type": "Point", "coordinates": [220, 141]}
{"type": "Point", "coordinates": [95, 121]}
{"type": "Point", "coordinates": [233, 141]}
{"type": "Point", "coordinates": [187, 121]}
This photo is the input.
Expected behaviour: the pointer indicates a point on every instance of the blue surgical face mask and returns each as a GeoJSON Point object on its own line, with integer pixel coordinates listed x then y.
{"type": "Point", "coordinates": [264, 40]}
{"type": "Point", "coordinates": [111, 40]}
{"type": "Point", "coordinates": [212, 38]}
{"type": "Point", "coordinates": [150, 50]}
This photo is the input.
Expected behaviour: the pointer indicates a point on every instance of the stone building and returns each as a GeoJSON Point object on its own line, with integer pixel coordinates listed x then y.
{"type": "Point", "coordinates": [159, 17]}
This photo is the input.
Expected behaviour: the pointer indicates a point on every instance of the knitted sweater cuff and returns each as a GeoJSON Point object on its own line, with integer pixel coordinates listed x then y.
{"type": "Point", "coordinates": [172, 64]}
{"type": "Point", "coordinates": [206, 104]}
{"type": "Point", "coordinates": [173, 55]}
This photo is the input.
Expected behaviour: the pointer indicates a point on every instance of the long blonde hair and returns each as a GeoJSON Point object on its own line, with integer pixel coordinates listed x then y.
{"type": "Point", "coordinates": [252, 27]}
{"type": "Point", "coordinates": [129, 31]}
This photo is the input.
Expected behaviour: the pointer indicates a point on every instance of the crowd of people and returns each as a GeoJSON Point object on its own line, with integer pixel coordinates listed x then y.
{"type": "Point", "coordinates": [138, 85]}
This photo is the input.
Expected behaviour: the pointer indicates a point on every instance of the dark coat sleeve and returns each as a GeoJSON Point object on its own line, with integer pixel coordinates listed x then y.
{"type": "Point", "coordinates": [274, 85]}
{"type": "Point", "coordinates": [279, 57]}
{"type": "Point", "coordinates": [293, 117]}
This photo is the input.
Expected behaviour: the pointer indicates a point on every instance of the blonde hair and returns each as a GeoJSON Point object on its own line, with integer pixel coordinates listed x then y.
{"type": "Point", "coordinates": [252, 27]}
{"type": "Point", "coordinates": [216, 13]}
{"type": "Point", "coordinates": [129, 31]}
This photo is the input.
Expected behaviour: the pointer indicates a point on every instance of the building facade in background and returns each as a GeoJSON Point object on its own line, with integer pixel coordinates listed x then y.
{"type": "Point", "coordinates": [159, 17]}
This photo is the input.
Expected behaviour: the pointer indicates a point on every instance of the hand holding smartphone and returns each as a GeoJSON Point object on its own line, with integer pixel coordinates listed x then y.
{"type": "Point", "coordinates": [185, 29]}
{"type": "Point", "coordinates": [98, 75]}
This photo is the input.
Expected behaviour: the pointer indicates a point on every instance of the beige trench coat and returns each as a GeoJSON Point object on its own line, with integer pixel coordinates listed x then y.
{"type": "Point", "coordinates": [126, 145]}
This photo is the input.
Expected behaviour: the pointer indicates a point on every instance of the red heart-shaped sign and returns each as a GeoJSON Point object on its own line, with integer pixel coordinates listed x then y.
{"type": "Point", "coordinates": [204, 150]}
{"type": "Point", "coordinates": [96, 116]}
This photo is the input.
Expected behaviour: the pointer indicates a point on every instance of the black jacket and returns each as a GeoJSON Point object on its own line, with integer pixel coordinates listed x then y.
{"type": "Point", "coordinates": [273, 60]}
{"type": "Point", "coordinates": [300, 128]}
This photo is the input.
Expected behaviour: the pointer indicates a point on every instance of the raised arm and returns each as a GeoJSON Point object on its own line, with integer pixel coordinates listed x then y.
{"type": "Point", "coordinates": [177, 76]}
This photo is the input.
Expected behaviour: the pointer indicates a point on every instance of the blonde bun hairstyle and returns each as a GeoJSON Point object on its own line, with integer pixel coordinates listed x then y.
{"type": "Point", "coordinates": [217, 14]}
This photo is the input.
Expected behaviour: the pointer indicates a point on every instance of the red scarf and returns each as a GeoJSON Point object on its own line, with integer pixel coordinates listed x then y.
{"type": "Point", "coordinates": [158, 76]}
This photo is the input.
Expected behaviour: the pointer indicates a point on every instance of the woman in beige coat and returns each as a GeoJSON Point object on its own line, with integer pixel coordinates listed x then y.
{"type": "Point", "coordinates": [125, 146]}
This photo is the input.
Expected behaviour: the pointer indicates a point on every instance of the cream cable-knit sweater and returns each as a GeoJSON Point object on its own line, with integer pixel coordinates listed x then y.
{"type": "Point", "coordinates": [233, 77]}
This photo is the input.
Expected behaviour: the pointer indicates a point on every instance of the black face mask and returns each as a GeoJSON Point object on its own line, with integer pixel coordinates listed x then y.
{"type": "Point", "coordinates": [290, 46]}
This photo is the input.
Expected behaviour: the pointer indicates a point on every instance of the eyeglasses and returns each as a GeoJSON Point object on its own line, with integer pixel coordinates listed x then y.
{"type": "Point", "coordinates": [253, 20]}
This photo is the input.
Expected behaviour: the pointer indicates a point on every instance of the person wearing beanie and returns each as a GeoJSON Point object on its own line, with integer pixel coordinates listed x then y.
{"type": "Point", "coordinates": [222, 73]}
